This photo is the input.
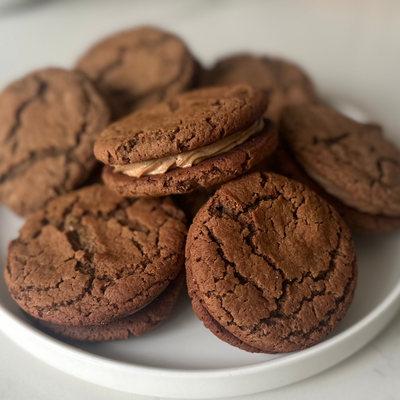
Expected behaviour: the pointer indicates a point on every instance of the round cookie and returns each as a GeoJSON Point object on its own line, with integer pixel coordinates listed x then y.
{"type": "Point", "coordinates": [282, 81]}
{"type": "Point", "coordinates": [271, 262]}
{"type": "Point", "coordinates": [136, 324]}
{"type": "Point", "coordinates": [139, 67]}
{"type": "Point", "coordinates": [91, 256]}
{"type": "Point", "coordinates": [352, 162]}
{"type": "Point", "coordinates": [143, 150]}
{"type": "Point", "coordinates": [49, 121]}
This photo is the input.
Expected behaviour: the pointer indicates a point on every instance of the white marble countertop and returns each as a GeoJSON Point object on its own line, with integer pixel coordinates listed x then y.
{"type": "Point", "coordinates": [373, 372]}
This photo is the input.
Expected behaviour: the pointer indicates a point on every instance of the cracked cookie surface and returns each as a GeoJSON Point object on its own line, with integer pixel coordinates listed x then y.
{"type": "Point", "coordinates": [136, 324]}
{"type": "Point", "coordinates": [138, 68]}
{"type": "Point", "coordinates": [271, 262]}
{"type": "Point", "coordinates": [210, 323]}
{"type": "Point", "coordinates": [283, 82]}
{"type": "Point", "coordinates": [49, 121]}
{"type": "Point", "coordinates": [284, 163]}
{"type": "Point", "coordinates": [351, 161]}
{"type": "Point", "coordinates": [186, 122]}
{"type": "Point", "coordinates": [91, 256]}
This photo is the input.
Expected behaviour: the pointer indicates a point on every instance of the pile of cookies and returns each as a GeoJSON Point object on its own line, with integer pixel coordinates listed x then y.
{"type": "Point", "coordinates": [140, 166]}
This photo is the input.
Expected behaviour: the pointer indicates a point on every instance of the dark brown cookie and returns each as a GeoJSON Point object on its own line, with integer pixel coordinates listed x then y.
{"type": "Point", "coordinates": [351, 161]}
{"type": "Point", "coordinates": [49, 121]}
{"type": "Point", "coordinates": [136, 324]}
{"type": "Point", "coordinates": [139, 67]}
{"type": "Point", "coordinates": [197, 139]}
{"type": "Point", "coordinates": [92, 256]}
{"type": "Point", "coordinates": [284, 82]}
{"type": "Point", "coordinates": [284, 163]}
{"type": "Point", "coordinates": [271, 262]}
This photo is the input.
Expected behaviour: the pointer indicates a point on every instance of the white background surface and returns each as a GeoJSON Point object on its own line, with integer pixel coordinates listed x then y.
{"type": "Point", "coordinates": [367, 31]}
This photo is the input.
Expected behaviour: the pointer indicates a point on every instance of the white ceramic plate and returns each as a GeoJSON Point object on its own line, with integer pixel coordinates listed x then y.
{"type": "Point", "coordinates": [181, 358]}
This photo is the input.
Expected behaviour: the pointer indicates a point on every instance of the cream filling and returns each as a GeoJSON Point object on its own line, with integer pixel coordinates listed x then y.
{"type": "Point", "coordinates": [187, 159]}
{"type": "Point", "coordinates": [346, 197]}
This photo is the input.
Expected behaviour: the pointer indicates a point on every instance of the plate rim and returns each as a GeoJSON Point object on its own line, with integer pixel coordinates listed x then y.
{"type": "Point", "coordinates": [388, 301]}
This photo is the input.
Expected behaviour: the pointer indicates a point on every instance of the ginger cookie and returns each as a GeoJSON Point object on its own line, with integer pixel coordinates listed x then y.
{"type": "Point", "coordinates": [353, 162]}
{"type": "Point", "coordinates": [285, 164]}
{"type": "Point", "coordinates": [282, 81]}
{"type": "Point", "coordinates": [139, 67]}
{"type": "Point", "coordinates": [196, 139]}
{"type": "Point", "coordinates": [136, 324]}
{"type": "Point", "coordinates": [49, 121]}
{"type": "Point", "coordinates": [91, 256]}
{"type": "Point", "coordinates": [272, 263]}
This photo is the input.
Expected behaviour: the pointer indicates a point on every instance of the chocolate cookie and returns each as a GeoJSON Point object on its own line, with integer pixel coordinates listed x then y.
{"type": "Point", "coordinates": [91, 256]}
{"type": "Point", "coordinates": [272, 263]}
{"type": "Point", "coordinates": [197, 139]}
{"type": "Point", "coordinates": [285, 164]}
{"type": "Point", "coordinates": [136, 324]}
{"type": "Point", "coordinates": [139, 67]}
{"type": "Point", "coordinates": [351, 161]}
{"type": "Point", "coordinates": [284, 82]}
{"type": "Point", "coordinates": [49, 121]}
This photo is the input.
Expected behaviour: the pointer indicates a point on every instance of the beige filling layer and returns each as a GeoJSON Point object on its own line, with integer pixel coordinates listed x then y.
{"type": "Point", "coordinates": [345, 197]}
{"type": "Point", "coordinates": [189, 158]}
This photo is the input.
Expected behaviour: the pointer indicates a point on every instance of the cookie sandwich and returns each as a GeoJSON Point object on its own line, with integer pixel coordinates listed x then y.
{"type": "Point", "coordinates": [196, 139]}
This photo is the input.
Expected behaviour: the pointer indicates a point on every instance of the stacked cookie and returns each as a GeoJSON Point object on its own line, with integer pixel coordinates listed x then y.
{"type": "Point", "coordinates": [271, 266]}
{"type": "Point", "coordinates": [93, 265]}
{"type": "Point", "coordinates": [195, 140]}
{"type": "Point", "coordinates": [270, 262]}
